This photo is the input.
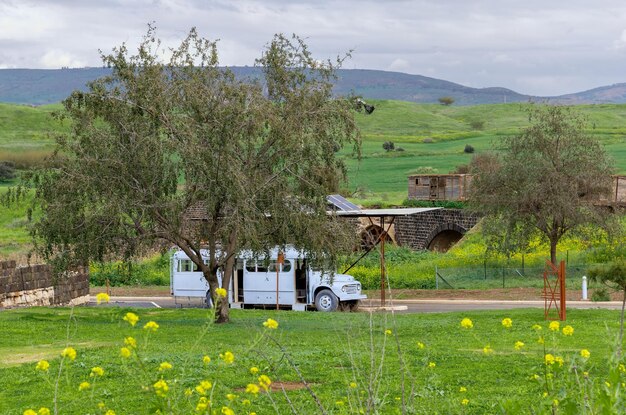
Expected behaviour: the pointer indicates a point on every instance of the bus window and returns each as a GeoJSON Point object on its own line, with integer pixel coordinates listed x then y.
{"type": "Point", "coordinates": [185, 265]}
{"type": "Point", "coordinates": [250, 266]}
{"type": "Point", "coordinates": [274, 266]}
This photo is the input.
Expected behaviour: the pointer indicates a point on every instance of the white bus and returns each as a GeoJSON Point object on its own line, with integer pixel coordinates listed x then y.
{"type": "Point", "coordinates": [262, 281]}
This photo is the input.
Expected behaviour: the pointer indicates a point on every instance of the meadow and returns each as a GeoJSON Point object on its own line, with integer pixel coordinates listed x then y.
{"type": "Point", "coordinates": [335, 363]}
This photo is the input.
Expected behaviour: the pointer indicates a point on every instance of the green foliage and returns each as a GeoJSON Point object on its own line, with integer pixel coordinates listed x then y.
{"type": "Point", "coordinates": [434, 203]}
{"type": "Point", "coordinates": [600, 294]}
{"type": "Point", "coordinates": [388, 146]}
{"type": "Point", "coordinates": [468, 149]}
{"type": "Point", "coordinates": [150, 271]}
{"type": "Point", "coordinates": [447, 101]}
{"type": "Point", "coordinates": [7, 171]}
{"type": "Point", "coordinates": [546, 180]}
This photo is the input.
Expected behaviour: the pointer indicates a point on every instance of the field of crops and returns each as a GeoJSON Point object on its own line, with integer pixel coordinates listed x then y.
{"type": "Point", "coordinates": [338, 363]}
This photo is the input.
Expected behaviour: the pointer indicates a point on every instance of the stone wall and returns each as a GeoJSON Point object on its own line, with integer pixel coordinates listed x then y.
{"type": "Point", "coordinates": [38, 285]}
{"type": "Point", "coordinates": [417, 231]}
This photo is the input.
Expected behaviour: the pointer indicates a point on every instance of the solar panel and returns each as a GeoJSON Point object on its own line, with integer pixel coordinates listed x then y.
{"type": "Point", "coordinates": [341, 203]}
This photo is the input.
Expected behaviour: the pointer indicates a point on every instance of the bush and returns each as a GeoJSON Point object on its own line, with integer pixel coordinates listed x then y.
{"type": "Point", "coordinates": [468, 149]}
{"type": "Point", "coordinates": [477, 124]}
{"type": "Point", "coordinates": [399, 149]}
{"type": "Point", "coordinates": [600, 294]}
{"type": "Point", "coordinates": [388, 145]}
{"type": "Point", "coordinates": [7, 171]}
{"type": "Point", "coordinates": [151, 271]}
{"type": "Point", "coordinates": [446, 101]}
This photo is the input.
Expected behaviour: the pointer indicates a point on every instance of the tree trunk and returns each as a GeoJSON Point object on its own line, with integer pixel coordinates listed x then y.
{"type": "Point", "coordinates": [222, 311]}
{"type": "Point", "coordinates": [553, 243]}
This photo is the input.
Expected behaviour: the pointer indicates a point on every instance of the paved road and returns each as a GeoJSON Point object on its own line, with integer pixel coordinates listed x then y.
{"type": "Point", "coordinates": [402, 306]}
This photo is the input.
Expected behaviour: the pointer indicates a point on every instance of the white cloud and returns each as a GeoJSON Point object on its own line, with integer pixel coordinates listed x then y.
{"type": "Point", "coordinates": [56, 59]}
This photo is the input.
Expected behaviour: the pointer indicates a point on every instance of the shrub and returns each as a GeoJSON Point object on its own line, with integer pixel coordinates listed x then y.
{"type": "Point", "coordinates": [477, 124]}
{"type": "Point", "coordinates": [468, 149]}
{"type": "Point", "coordinates": [446, 101]}
{"type": "Point", "coordinates": [7, 171]}
{"type": "Point", "coordinates": [388, 145]}
{"type": "Point", "coordinates": [600, 294]}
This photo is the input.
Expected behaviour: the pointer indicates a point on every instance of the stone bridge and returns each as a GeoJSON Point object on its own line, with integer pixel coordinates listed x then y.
{"type": "Point", "coordinates": [435, 230]}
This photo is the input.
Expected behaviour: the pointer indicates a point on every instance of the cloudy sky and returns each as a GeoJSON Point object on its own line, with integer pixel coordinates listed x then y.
{"type": "Point", "coordinates": [539, 47]}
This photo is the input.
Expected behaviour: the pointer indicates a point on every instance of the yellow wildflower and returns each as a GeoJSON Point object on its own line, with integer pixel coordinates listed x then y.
{"type": "Point", "coordinates": [554, 326]}
{"type": "Point", "coordinates": [252, 388]}
{"type": "Point", "coordinates": [227, 357]}
{"type": "Point", "coordinates": [584, 353]}
{"type": "Point", "coordinates": [466, 323]}
{"type": "Point", "coordinates": [462, 389]}
{"type": "Point", "coordinates": [69, 352]}
{"type": "Point", "coordinates": [254, 370]}
{"type": "Point", "coordinates": [559, 360]}
{"type": "Point", "coordinates": [43, 411]}
{"type": "Point", "coordinates": [507, 323]}
{"type": "Point", "coordinates": [221, 292]}
{"type": "Point", "coordinates": [165, 366]}
{"type": "Point", "coordinates": [555, 402]}
{"type": "Point", "coordinates": [387, 332]}
{"type": "Point", "coordinates": [537, 327]}
{"type": "Point", "coordinates": [131, 318]}
{"type": "Point", "coordinates": [102, 298]}
{"type": "Point", "coordinates": [549, 359]}
{"type": "Point", "coordinates": [84, 386]}
{"type": "Point", "coordinates": [420, 345]}
{"type": "Point", "coordinates": [206, 360]}
{"type": "Point", "coordinates": [151, 325]}
{"type": "Point", "coordinates": [536, 377]}
{"type": "Point", "coordinates": [96, 371]}
{"type": "Point", "coordinates": [203, 404]}
{"type": "Point", "coordinates": [432, 365]}
{"type": "Point", "coordinates": [544, 394]}
{"type": "Point", "coordinates": [101, 405]}
{"type": "Point", "coordinates": [568, 330]}
{"type": "Point", "coordinates": [204, 387]}
{"type": "Point", "coordinates": [246, 402]}
{"type": "Point", "coordinates": [188, 392]}
{"type": "Point", "coordinates": [465, 401]}
{"type": "Point", "coordinates": [270, 324]}
{"type": "Point", "coordinates": [487, 350]}
{"type": "Point", "coordinates": [231, 396]}
{"type": "Point", "coordinates": [110, 412]}
{"type": "Point", "coordinates": [353, 385]}
{"type": "Point", "coordinates": [30, 412]}
{"type": "Point", "coordinates": [608, 385]}
{"type": "Point", "coordinates": [519, 345]}
{"type": "Point", "coordinates": [125, 352]}
{"type": "Point", "coordinates": [540, 340]}
{"type": "Point", "coordinates": [265, 382]}
{"type": "Point", "coordinates": [586, 374]}
{"type": "Point", "coordinates": [160, 388]}
{"type": "Point", "coordinates": [43, 365]}
{"type": "Point", "coordinates": [130, 342]}
{"type": "Point", "coordinates": [227, 411]}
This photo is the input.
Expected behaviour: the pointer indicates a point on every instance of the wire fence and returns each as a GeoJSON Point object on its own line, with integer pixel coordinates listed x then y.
{"type": "Point", "coordinates": [504, 277]}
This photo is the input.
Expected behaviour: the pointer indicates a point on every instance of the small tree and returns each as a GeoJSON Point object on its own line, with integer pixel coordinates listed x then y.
{"type": "Point", "coordinates": [7, 171]}
{"type": "Point", "coordinates": [614, 277]}
{"type": "Point", "coordinates": [158, 139]}
{"type": "Point", "coordinates": [388, 145]}
{"type": "Point", "coordinates": [447, 101]}
{"type": "Point", "coordinates": [547, 180]}
{"type": "Point", "coordinates": [468, 149]}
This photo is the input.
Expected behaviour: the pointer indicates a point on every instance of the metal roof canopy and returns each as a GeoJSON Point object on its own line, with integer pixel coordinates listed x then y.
{"type": "Point", "coordinates": [381, 214]}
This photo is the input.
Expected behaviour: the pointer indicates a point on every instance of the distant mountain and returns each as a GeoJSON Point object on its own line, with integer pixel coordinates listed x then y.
{"type": "Point", "coordinates": [46, 86]}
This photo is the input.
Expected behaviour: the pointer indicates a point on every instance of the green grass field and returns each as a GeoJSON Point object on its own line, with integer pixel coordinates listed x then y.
{"type": "Point", "coordinates": [331, 352]}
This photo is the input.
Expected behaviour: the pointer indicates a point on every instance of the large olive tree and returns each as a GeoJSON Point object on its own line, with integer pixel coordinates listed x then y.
{"type": "Point", "coordinates": [548, 180]}
{"type": "Point", "coordinates": [159, 141]}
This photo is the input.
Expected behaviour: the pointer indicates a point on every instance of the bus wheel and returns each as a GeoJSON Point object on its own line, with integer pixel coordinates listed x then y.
{"type": "Point", "coordinates": [208, 301]}
{"type": "Point", "coordinates": [326, 301]}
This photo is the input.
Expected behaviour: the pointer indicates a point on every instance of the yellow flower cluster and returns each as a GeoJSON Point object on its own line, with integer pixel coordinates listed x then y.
{"type": "Point", "coordinates": [227, 411]}
{"type": "Point", "coordinates": [431, 365]}
{"type": "Point", "coordinates": [554, 326]}
{"type": "Point", "coordinates": [420, 345]}
{"type": "Point", "coordinates": [465, 402]}
{"type": "Point", "coordinates": [387, 332]}
{"type": "Point", "coordinates": [43, 365]}
{"type": "Point", "coordinates": [270, 324]}
{"type": "Point", "coordinates": [203, 387]}
{"type": "Point", "coordinates": [537, 327]}
{"type": "Point", "coordinates": [69, 352]}
{"type": "Point", "coordinates": [568, 330]}
{"type": "Point", "coordinates": [41, 411]}
{"type": "Point", "coordinates": [151, 326]}
{"type": "Point", "coordinates": [252, 388]}
{"type": "Point", "coordinates": [507, 323]}
{"type": "Point", "coordinates": [165, 366]}
{"type": "Point", "coordinates": [466, 323]}
{"type": "Point", "coordinates": [102, 298]}
{"type": "Point", "coordinates": [84, 386]}
{"type": "Point", "coordinates": [227, 357]}
{"type": "Point", "coordinates": [130, 342]}
{"type": "Point", "coordinates": [131, 318]}
{"type": "Point", "coordinates": [584, 353]}
{"type": "Point", "coordinates": [203, 404]}
{"type": "Point", "coordinates": [254, 370]}
{"type": "Point", "coordinates": [96, 371]}
{"type": "Point", "coordinates": [519, 345]}
{"type": "Point", "coordinates": [221, 292]}
{"type": "Point", "coordinates": [206, 360]}
{"type": "Point", "coordinates": [488, 350]}
{"type": "Point", "coordinates": [265, 382]}
{"type": "Point", "coordinates": [160, 388]}
{"type": "Point", "coordinates": [125, 352]}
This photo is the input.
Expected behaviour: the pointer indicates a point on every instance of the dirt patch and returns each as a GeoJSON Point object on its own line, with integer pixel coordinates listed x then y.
{"type": "Point", "coordinates": [288, 386]}
{"type": "Point", "coordinates": [148, 291]}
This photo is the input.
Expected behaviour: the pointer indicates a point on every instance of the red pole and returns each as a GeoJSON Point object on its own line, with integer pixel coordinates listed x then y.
{"type": "Point", "coordinates": [382, 263]}
{"type": "Point", "coordinates": [562, 289]}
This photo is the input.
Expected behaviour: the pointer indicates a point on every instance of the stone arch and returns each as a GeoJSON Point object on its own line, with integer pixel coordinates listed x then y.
{"type": "Point", "coordinates": [444, 236]}
{"type": "Point", "coordinates": [370, 235]}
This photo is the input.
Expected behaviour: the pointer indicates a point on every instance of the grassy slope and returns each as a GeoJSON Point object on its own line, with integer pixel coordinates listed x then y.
{"type": "Point", "coordinates": [311, 339]}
